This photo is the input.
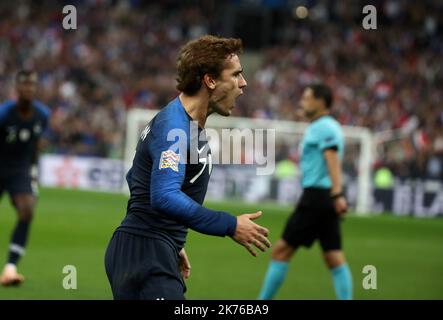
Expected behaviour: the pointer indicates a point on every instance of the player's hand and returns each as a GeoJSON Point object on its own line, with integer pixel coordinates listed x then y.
{"type": "Point", "coordinates": [250, 234]}
{"type": "Point", "coordinates": [184, 264]}
{"type": "Point", "coordinates": [340, 205]}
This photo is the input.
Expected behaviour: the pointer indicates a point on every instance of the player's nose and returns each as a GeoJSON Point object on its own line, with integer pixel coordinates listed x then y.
{"type": "Point", "coordinates": [242, 83]}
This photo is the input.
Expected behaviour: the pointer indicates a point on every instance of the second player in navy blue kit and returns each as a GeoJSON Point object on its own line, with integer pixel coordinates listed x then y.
{"type": "Point", "coordinates": [145, 258]}
{"type": "Point", "coordinates": [22, 124]}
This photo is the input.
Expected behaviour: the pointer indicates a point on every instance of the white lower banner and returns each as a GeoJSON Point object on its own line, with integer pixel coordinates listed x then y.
{"type": "Point", "coordinates": [415, 198]}
{"type": "Point", "coordinates": [86, 173]}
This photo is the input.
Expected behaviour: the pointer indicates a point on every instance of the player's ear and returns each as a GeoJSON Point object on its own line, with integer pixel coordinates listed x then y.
{"type": "Point", "coordinates": [209, 81]}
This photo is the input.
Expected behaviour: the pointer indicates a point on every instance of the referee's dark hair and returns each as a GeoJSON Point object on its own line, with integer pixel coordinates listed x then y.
{"type": "Point", "coordinates": [322, 91]}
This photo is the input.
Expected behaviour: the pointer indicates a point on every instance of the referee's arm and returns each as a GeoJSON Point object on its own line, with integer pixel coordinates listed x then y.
{"type": "Point", "coordinates": [335, 172]}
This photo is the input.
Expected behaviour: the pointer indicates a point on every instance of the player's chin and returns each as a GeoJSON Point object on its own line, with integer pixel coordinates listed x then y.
{"type": "Point", "coordinates": [227, 111]}
{"type": "Point", "coordinates": [26, 98]}
{"type": "Point", "coordinates": [307, 114]}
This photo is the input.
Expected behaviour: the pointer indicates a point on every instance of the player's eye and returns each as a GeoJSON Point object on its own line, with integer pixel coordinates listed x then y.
{"type": "Point", "coordinates": [238, 73]}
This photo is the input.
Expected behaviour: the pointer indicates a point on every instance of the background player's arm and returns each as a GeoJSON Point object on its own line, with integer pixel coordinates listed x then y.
{"type": "Point", "coordinates": [36, 154]}
{"type": "Point", "coordinates": [34, 168]}
{"type": "Point", "coordinates": [335, 173]}
{"type": "Point", "coordinates": [42, 143]}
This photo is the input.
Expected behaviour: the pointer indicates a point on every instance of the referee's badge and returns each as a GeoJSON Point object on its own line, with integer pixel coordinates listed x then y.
{"type": "Point", "coordinates": [169, 159]}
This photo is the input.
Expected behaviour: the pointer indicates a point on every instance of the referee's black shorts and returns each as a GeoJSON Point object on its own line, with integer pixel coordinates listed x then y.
{"type": "Point", "coordinates": [141, 268]}
{"type": "Point", "coordinates": [314, 218]}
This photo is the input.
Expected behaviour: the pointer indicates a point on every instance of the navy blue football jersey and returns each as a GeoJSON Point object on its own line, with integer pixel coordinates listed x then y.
{"type": "Point", "coordinates": [18, 137]}
{"type": "Point", "coordinates": [168, 181]}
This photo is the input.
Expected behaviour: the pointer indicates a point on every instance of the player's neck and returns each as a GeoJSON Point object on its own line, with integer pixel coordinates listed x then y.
{"type": "Point", "coordinates": [194, 107]}
{"type": "Point", "coordinates": [320, 114]}
{"type": "Point", "coordinates": [24, 108]}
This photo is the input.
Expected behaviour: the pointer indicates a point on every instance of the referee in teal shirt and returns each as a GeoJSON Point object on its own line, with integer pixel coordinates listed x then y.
{"type": "Point", "coordinates": [317, 216]}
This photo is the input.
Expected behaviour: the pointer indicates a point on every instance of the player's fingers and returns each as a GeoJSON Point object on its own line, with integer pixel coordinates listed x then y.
{"type": "Point", "coordinates": [248, 246]}
{"type": "Point", "coordinates": [185, 269]}
{"type": "Point", "coordinates": [260, 245]}
{"type": "Point", "coordinates": [262, 230]}
{"type": "Point", "coordinates": [263, 240]}
{"type": "Point", "coordinates": [254, 216]}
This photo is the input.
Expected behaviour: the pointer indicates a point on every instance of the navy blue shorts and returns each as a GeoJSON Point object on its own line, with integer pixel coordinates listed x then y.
{"type": "Point", "coordinates": [141, 268]}
{"type": "Point", "coordinates": [16, 183]}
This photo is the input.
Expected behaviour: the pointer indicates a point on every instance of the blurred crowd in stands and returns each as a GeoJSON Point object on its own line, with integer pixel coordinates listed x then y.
{"type": "Point", "coordinates": [123, 53]}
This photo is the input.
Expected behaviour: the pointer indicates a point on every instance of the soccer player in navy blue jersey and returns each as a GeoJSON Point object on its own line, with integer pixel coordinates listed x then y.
{"type": "Point", "coordinates": [22, 124]}
{"type": "Point", "coordinates": [145, 258]}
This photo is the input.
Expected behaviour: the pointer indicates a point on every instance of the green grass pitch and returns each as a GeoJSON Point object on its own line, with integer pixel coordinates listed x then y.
{"type": "Point", "coordinates": [73, 228]}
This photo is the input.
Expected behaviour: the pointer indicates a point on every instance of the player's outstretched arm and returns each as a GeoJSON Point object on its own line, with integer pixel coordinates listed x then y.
{"type": "Point", "coordinates": [167, 197]}
{"type": "Point", "coordinates": [242, 229]}
{"type": "Point", "coordinates": [167, 177]}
